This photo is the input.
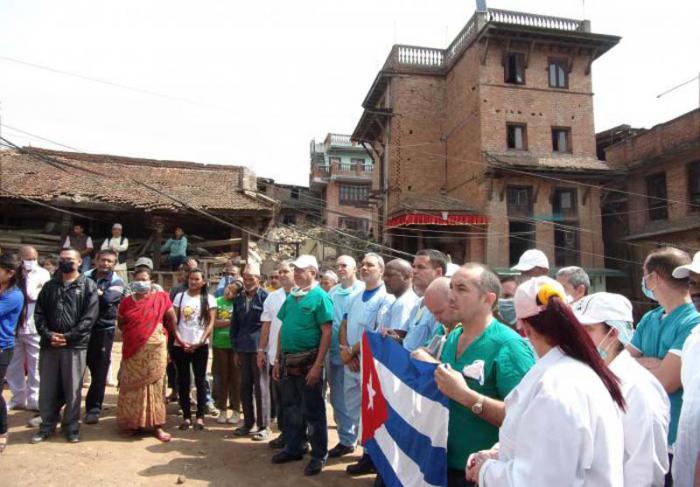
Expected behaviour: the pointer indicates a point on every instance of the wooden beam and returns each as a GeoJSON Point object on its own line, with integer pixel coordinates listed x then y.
{"type": "Point", "coordinates": [529, 53]}
{"type": "Point", "coordinates": [590, 60]}
{"type": "Point", "coordinates": [485, 51]}
{"type": "Point", "coordinates": [219, 243]}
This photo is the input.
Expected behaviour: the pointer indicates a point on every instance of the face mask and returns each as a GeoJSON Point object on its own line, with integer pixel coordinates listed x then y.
{"type": "Point", "coordinates": [29, 265]}
{"type": "Point", "coordinates": [506, 307]}
{"type": "Point", "coordinates": [601, 349]}
{"type": "Point", "coordinates": [647, 292]}
{"type": "Point", "coordinates": [65, 266]}
{"type": "Point", "coordinates": [140, 287]}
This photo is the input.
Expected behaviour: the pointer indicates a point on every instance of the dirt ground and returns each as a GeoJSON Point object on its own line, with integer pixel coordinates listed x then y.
{"type": "Point", "coordinates": [105, 458]}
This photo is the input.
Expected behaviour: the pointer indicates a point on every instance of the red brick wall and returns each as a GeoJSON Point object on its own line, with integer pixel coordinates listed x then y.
{"type": "Point", "coordinates": [333, 204]}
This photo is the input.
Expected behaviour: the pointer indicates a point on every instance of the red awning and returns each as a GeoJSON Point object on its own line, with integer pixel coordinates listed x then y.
{"type": "Point", "coordinates": [428, 219]}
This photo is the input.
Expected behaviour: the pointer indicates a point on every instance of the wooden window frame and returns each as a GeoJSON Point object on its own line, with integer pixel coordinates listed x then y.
{"type": "Point", "coordinates": [507, 71]}
{"type": "Point", "coordinates": [515, 125]}
{"type": "Point", "coordinates": [657, 209]}
{"type": "Point", "coordinates": [569, 144]}
{"type": "Point", "coordinates": [564, 65]}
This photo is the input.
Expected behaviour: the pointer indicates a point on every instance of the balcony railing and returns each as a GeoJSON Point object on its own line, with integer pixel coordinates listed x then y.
{"type": "Point", "coordinates": [439, 60]}
{"type": "Point", "coordinates": [342, 169]}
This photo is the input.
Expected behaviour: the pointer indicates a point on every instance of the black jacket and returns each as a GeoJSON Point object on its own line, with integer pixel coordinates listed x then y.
{"type": "Point", "coordinates": [246, 325]}
{"type": "Point", "coordinates": [113, 289]}
{"type": "Point", "coordinates": [70, 309]}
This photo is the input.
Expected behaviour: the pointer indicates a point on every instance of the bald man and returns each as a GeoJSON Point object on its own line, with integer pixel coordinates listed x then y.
{"type": "Point", "coordinates": [398, 278]}
{"type": "Point", "coordinates": [437, 300]}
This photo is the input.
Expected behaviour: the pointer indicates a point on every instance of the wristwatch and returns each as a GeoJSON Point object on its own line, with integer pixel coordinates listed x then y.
{"type": "Point", "coordinates": [261, 350]}
{"type": "Point", "coordinates": [478, 406]}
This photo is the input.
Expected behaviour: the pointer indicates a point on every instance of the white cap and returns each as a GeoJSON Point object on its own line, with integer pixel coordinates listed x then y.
{"type": "Point", "coordinates": [612, 309]}
{"type": "Point", "coordinates": [451, 269]}
{"type": "Point", "coordinates": [145, 262]}
{"type": "Point", "coordinates": [530, 259]}
{"type": "Point", "coordinates": [306, 261]}
{"type": "Point", "coordinates": [252, 268]}
{"type": "Point", "coordinates": [531, 296]}
{"type": "Point", "coordinates": [683, 271]}
{"type": "Point", "coordinates": [117, 225]}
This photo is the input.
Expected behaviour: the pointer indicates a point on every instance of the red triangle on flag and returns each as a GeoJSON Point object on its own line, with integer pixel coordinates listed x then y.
{"type": "Point", "coordinates": [374, 408]}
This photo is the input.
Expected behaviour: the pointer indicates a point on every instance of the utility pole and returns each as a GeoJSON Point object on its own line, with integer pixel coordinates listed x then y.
{"type": "Point", "coordinates": [681, 85]}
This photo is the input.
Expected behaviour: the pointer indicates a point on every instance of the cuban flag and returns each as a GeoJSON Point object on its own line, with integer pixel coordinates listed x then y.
{"type": "Point", "coordinates": [404, 415]}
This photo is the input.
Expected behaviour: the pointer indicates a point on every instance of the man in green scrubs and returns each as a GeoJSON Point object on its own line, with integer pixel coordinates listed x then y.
{"type": "Point", "coordinates": [484, 360]}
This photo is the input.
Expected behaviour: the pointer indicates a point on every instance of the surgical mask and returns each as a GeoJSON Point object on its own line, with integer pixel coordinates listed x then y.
{"type": "Point", "coordinates": [601, 349]}
{"type": "Point", "coordinates": [506, 307]}
{"type": "Point", "coordinates": [140, 287]}
{"type": "Point", "coordinates": [647, 292]}
{"type": "Point", "coordinates": [65, 266]}
{"type": "Point", "coordinates": [29, 265]}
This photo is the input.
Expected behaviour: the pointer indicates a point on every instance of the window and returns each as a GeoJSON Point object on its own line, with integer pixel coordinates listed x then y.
{"type": "Point", "coordinates": [356, 224]}
{"type": "Point", "coordinates": [558, 73]}
{"type": "Point", "coordinates": [515, 68]}
{"type": "Point", "coordinates": [561, 139]}
{"type": "Point", "coordinates": [516, 136]}
{"type": "Point", "coordinates": [564, 203]}
{"type": "Point", "coordinates": [656, 197]}
{"type": "Point", "coordinates": [294, 193]}
{"type": "Point", "coordinates": [566, 246]}
{"type": "Point", "coordinates": [521, 236]}
{"type": "Point", "coordinates": [357, 162]}
{"type": "Point", "coordinates": [694, 185]}
{"type": "Point", "coordinates": [288, 219]}
{"type": "Point", "coordinates": [354, 195]}
{"type": "Point", "coordinates": [519, 200]}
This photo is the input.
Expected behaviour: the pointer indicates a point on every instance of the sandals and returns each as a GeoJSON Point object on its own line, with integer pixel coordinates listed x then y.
{"type": "Point", "coordinates": [185, 425]}
{"type": "Point", "coordinates": [242, 431]}
{"type": "Point", "coordinates": [162, 435]}
{"type": "Point", "coordinates": [3, 443]}
{"type": "Point", "coordinates": [199, 426]}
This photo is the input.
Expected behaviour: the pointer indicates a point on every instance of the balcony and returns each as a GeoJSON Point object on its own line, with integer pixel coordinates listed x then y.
{"type": "Point", "coordinates": [335, 171]}
{"type": "Point", "coordinates": [404, 58]}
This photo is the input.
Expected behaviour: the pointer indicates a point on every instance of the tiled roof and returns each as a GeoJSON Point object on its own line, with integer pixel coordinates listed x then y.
{"type": "Point", "coordinates": [204, 186]}
{"type": "Point", "coordinates": [546, 162]}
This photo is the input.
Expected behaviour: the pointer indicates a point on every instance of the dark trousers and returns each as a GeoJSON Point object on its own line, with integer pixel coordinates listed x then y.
{"type": "Point", "coordinates": [276, 401]}
{"type": "Point", "coordinates": [197, 362]}
{"type": "Point", "coordinates": [458, 478]}
{"type": "Point", "coordinates": [227, 380]}
{"type": "Point", "coordinates": [99, 356]}
{"type": "Point", "coordinates": [61, 370]}
{"type": "Point", "coordinates": [171, 369]}
{"type": "Point", "coordinates": [255, 392]}
{"type": "Point", "coordinates": [304, 406]}
{"type": "Point", "coordinates": [5, 358]}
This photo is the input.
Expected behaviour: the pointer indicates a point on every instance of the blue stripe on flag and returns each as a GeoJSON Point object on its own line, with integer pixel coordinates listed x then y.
{"type": "Point", "coordinates": [432, 461]}
{"type": "Point", "coordinates": [382, 464]}
{"type": "Point", "coordinates": [412, 372]}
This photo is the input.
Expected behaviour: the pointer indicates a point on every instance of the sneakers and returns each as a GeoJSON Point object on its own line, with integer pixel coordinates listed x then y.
{"type": "Point", "coordinates": [34, 422]}
{"type": "Point", "coordinates": [222, 419]}
{"type": "Point", "coordinates": [39, 436]}
{"type": "Point", "coordinates": [339, 450]}
{"type": "Point", "coordinates": [91, 418]}
{"type": "Point", "coordinates": [73, 438]}
{"type": "Point", "coordinates": [284, 457]}
{"type": "Point", "coordinates": [211, 410]}
{"type": "Point", "coordinates": [235, 417]}
{"type": "Point", "coordinates": [262, 435]}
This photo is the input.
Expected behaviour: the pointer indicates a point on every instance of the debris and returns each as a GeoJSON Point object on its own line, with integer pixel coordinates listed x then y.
{"type": "Point", "coordinates": [180, 479]}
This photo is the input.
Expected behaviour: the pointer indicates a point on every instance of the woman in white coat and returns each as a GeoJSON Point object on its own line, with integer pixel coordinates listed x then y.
{"type": "Point", "coordinates": [562, 424]}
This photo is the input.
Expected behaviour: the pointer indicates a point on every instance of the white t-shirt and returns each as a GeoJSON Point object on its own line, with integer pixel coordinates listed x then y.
{"type": "Point", "coordinates": [687, 446]}
{"type": "Point", "coordinates": [271, 307]}
{"type": "Point", "coordinates": [189, 325]}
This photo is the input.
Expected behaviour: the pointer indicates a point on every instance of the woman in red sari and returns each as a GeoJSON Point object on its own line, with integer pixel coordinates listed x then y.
{"type": "Point", "coordinates": [143, 319]}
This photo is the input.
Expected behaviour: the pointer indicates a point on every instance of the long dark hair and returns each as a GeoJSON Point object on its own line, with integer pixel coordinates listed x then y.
{"type": "Point", "coordinates": [10, 262]}
{"type": "Point", "coordinates": [203, 297]}
{"type": "Point", "coordinates": [559, 325]}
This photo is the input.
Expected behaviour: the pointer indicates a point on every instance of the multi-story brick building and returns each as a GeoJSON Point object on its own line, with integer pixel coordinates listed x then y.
{"type": "Point", "coordinates": [341, 176]}
{"type": "Point", "coordinates": [658, 201]}
{"type": "Point", "coordinates": [487, 148]}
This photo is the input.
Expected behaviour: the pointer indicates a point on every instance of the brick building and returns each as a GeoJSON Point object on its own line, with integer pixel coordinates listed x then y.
{"type": "Point", "coordinates": [341, 176]}
{"type": "Point", "coordinates": [296, 205]}
{"type": "Point", "coordinates": [657, 202]}
{"type": "Point", "coordinates": [487, 148]}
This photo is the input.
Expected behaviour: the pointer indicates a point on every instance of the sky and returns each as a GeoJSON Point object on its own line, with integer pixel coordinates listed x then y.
{"type": "Point", "coordinates": [251, 83]}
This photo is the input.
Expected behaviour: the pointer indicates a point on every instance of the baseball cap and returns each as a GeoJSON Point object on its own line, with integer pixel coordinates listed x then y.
{"type": "Point", "coordinates": [117, 225]}
{"type": "Point", "coordinates": [612, 309]}
{"type": "Point", "coordinates": [145, 262]}
{"type": "Point", "coordinates": [530, 259]}
{"type": "Point", "coordinates": [683, 271]}
{"type": "Point", "coordinates": [532, 296]}
{"type": "Point", "coordinates": [305, 261]}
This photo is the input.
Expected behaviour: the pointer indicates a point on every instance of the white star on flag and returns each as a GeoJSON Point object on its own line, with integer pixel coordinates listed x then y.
{"type": "Point", "coordinates": [371, 393]}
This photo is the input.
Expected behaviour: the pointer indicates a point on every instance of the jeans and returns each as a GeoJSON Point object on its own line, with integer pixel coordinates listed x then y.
{"type": "Point", "coordinates": [25, 388]}
{"type": "Point", "coordinates": [62, 371]}
{"type": "Point", "coordinates": [5, 359]}
{"type": "Point", "coordinates": [99, 357]}
{"type": "Point", "coordinates": [171, 369]}
{"type": "Point", "coordinates": [347, 429]}
{"type": "Point", "coordinates": [276, 401]}
{"type": "Point", "coordinates": [197, 361]}
{"type": "Point", "coordinates": [176, 260]}
{"type": "Point", "coordinates": [255, 385]}
{"type": "Point", "coordinates": [227, 380]}
{"type": "Point", "coordinates": [304, 405]}
{"type": "Point", "coordinates": [352, 387]}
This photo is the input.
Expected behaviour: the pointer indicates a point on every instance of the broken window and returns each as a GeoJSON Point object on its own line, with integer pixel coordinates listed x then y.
{"type": "Point", "coordinates": [561, 139]}
{"type": "Point", "coordinates": [515, 68]}
{"type": "Point", "coordinates": [516, 136]}
{"type": "Point", "coordinates": [656, 197]}
{"type": "Point", "coordinates": [694, 185]}
{"type": "Point", "coordinates": [558, 73]}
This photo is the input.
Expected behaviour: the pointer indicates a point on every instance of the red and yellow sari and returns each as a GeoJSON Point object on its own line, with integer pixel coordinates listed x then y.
{"type": "Point", "coordinates": [141, 402]}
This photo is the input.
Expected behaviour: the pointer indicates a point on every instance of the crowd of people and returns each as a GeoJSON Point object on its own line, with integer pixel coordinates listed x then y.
{"type": "Point", "coordinates": [549, 384]}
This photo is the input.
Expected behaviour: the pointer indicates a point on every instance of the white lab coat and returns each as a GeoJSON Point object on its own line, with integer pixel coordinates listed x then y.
{"type": "Point", "coordinates": [561, 428]}
{"type": "Point", "coordinates": [645, 423]}
{"type": "Point", "coordinates": [366, 315]}
{"type": "Point", "coordinates": [687, 446]}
